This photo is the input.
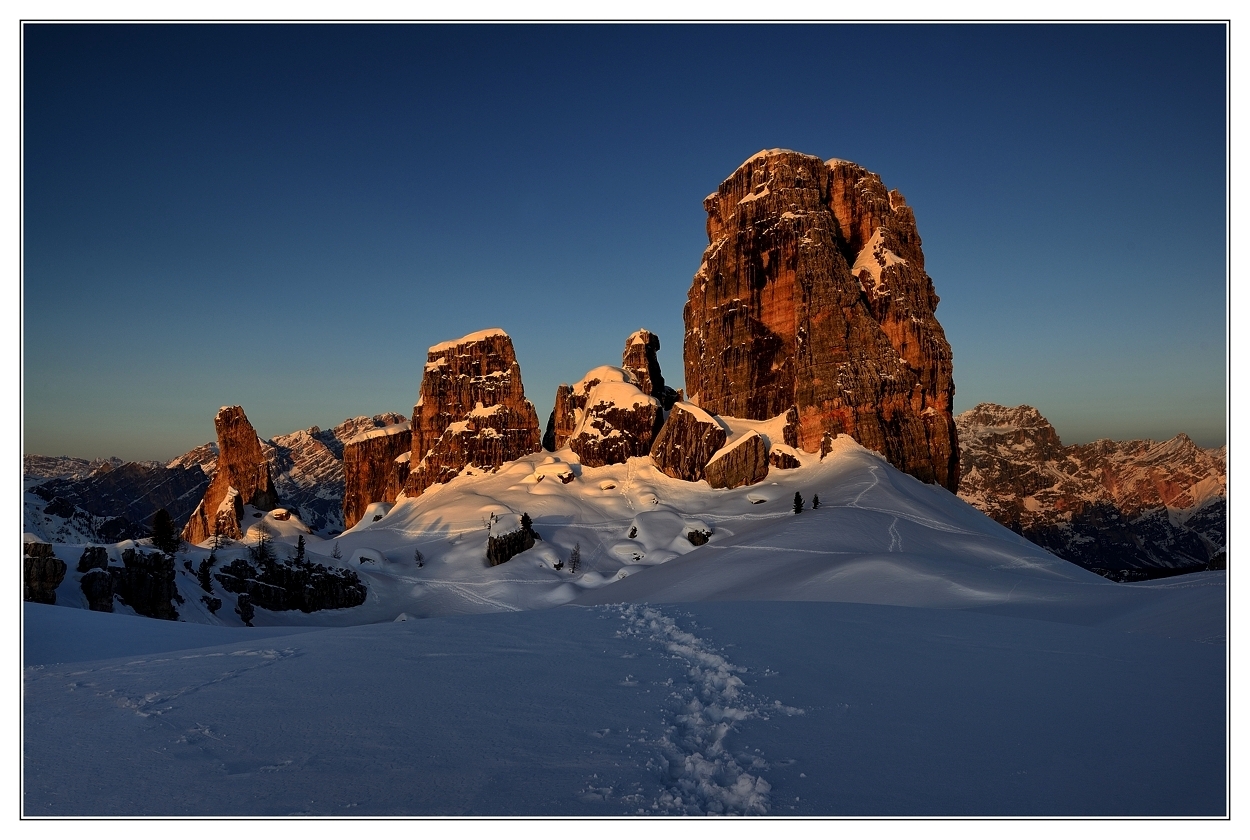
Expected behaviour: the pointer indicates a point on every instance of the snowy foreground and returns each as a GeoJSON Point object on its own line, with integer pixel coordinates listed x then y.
{"type": "Point", "coordinates": [893, 653]}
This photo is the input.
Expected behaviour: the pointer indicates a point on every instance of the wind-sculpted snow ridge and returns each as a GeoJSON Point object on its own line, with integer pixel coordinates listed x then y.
{"type": "Point", "coordinates": [700, 775]}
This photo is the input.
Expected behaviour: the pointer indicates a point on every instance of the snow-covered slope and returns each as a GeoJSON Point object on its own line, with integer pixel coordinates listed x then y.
{"type": "Point", "coordinates": [893, 651]}
{"type": "Point", "coordinates": [745, 707]}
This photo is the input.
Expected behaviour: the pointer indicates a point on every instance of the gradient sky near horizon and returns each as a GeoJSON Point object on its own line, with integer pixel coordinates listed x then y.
{"type": "Point", "coordinates": [285, 217]}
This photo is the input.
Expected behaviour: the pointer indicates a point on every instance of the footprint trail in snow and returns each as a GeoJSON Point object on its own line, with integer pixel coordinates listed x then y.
{"type": "Point", "coordinates": [697, 771]}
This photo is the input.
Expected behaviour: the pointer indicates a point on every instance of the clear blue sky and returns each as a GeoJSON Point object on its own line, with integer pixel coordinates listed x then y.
{"type": "Point", "coordinates": [285, 217]}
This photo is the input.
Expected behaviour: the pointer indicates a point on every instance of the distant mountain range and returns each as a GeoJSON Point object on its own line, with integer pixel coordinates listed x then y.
{"type": "Point", "coordinates": [1126, 509]}
{"type": "Point", "coordinates": [73, 500]}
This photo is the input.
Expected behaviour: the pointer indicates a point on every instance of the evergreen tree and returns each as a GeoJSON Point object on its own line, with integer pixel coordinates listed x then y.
{"type": "Point", "coordinates": [245, 609]}
{"type": "Point", "coordinates": [575, 558]}
{"type": "Point", "coordinates": [299, 550]}
{"type": "Point", "coordinates": [527, 524]}
{"type": "Point", "coordinates": [798, 502]}
{"type": "Point", "coordinates": [263, 552]}
{"type": "Point", "coordinates": [418, 557]}
{"type": "Point", "coordinates": [337, 554]}
{"type": "Point", "coordinates": [164, 535]}
{"type": "Point", "coordinates": [815, 502]}
{"type": "Point", "coordinates": [205, 573]}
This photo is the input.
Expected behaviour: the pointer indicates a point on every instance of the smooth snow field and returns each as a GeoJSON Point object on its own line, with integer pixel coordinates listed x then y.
{"type": "Point", "coordinates": [894, 652]}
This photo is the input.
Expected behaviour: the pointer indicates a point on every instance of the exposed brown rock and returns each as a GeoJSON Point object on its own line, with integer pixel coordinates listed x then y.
{"type": "Point", "coordinates": [782, 459]}
{"type": "Point", "coordinates": [241, 478]}
{"type": "Point", "coordinates": [42, 573]}
{"type": "Point", "coordinates": [739, 464]}
{"type": "Point", "coordinates": [472, 410]}
{"type": "Point", "coordinates": [306, 467]}
{"type": "Point", "coordinates": [375, 467]}
{"type": "Point", "coordinates": [617, 421]}
{"type": "Point", "coordinates": [641, 358]}
{"type": "Point", "coordinates": [812, 293]}
{"type": "Point", "coordinates": [640, 366]}
{"type": "Point", "coordinates": [563, 419]}
{"type": "Point", "coordinates": [688, 440]}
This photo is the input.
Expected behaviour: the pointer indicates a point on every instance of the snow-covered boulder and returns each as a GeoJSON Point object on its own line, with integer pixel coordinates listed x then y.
{"type": "Point", "coordinates": [618, 421]}
{"type": "Point", "coordinates": [687, 441]}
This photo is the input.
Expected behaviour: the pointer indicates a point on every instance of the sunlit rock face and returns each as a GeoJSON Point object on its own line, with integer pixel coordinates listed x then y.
{"type": "Point", "coordinates": [472, 410]}
{"type": "Point", "coordinates": [737, 465]}
{"type": "Point", "coordinates": [812, 294]}
{"type": "Point", "coordinates": [375, 468]}
{"type": "Point", "coordinates": [618, 420]}
{"type": "Point", "coordinates": [641, 358]}
{"type": "Point", "coordinates": [241, 478]}
{"type": "Point", "coordinates": [609, 418]}
{"type": "Point", "coordinates": [687, 442]}
{"type": "Point", "coordinates": [635, 421]}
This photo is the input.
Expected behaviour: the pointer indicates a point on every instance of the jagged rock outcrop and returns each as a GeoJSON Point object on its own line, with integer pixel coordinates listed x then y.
{"type": "Point", "coordinates": [641, 358]}
{"type": "Point", "coordinates": [97, 588]}
{"type": "Point", "coordinates": [242, 478]}
{"type": "Point", "coordinates": [109, 505]}
{"type": "Point", "coordinates": [93, 557]}
{"type": "Point", "coordinates": [375, 467]}
{"type": "Point", "coordinates": [472, 410]}
{"type": "Point", "coordinates": [145, 583]}
{"type": "Point", "coordinates": [42, 573]}
{"type": "Point", "coordinates": [610, 417]}
{"type": "Point", "coordinates": [687, 441]}
{"type": "Point", "coordinates": [307, 467]}
{"type": "Point", "coordinates": [783, 459]}
{"type": "Point", "coordinates": [812, 293]}
{"type": "Point", "coordinates": [1128, 509]}
{"type": "Point", "coordinates": [743, 462]}
{"type": "Point", "coordinates": [295, 585]}
{"type": "Point", "coordinates": [637, 420]}
{"type": "Point", "coordinates": [500, 548]}
{"type": "Point", "coordinates": [563, 418]}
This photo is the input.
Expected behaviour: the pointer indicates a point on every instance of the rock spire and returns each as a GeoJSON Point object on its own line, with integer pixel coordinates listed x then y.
{"type": "Point", "coordinates": [472, 410]}
{"type": "Point", "coordinates": [242, 478]}
{"type": "Point", "coordinates": [812, 293]}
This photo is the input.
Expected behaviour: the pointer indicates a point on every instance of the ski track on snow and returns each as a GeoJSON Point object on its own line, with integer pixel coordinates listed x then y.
{"type": "Point", "coordinates": [697, 772]}
{"type": "Point", "coordinates": [465, 592]}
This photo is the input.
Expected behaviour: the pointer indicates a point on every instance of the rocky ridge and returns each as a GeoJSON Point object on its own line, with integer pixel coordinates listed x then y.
{"type": "Point", "coordinates": [1128, 509]}
{"type": "Point", "coordinates": [812, 294]}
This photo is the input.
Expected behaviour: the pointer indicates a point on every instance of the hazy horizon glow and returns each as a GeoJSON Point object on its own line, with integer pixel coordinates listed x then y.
{"type": "Point", "coordinates": [285, 217]}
